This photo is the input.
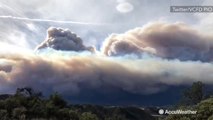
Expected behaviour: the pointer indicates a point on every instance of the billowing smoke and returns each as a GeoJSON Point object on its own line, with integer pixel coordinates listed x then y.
{"type": "Point", "coordinates": [116, 47]}
{"type": "Point", "coordinates": [168, 45]}
{"type": "Point", "coordinates": [61, 39]}
{"type": "Point", "coordinates": [71, 75]}
{"type": "Point", "coordinates": [170, 41]}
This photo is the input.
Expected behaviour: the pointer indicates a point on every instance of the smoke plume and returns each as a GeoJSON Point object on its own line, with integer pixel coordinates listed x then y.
{"type": "Point", "coordinates": [167, 46]}
{"type": "Point", "coordinates": [170, 41]}
{"type": "Point", "coordinates": [61, 39]}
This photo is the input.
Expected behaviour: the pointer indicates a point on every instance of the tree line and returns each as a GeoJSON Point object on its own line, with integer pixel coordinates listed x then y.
{"type": "Point", "coordinates": [28, 104]}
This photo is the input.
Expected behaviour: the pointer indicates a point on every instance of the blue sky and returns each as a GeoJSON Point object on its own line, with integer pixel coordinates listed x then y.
{"type": "Point", "coordinates": [119, 16]}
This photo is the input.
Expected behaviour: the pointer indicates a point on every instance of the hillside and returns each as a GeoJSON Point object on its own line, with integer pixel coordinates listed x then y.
{"type": "Point", "coordinates": [27, 104]}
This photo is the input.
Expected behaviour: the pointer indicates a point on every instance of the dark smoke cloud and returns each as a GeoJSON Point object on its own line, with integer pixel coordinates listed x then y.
{"type": "Point", "coordinates": [68, 75]}
{"type": "Point", "coordinates": [63, 39]}
{"type": "Point", "coordinates": [5, 68]}
{"type": "Point", "coordinates": [76, 73]}
{"type": "Point", "coordinates": [171, 41]}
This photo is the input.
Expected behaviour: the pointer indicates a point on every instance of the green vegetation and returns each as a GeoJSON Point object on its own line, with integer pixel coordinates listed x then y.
{"type": "Point", "coordinates": [194, 99]}
{"type": "Point", "coordinates": [194, 94]}
{"type": "Point", "coordinates": [27, 104]}
{"type": "Point", "coordinates": [204, 111]}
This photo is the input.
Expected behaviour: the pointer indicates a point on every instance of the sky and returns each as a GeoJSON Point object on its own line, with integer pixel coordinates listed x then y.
{"type": "Point", "coordinates": [119, 16]}
{"type": "Point", "coordinates": [128, 48]}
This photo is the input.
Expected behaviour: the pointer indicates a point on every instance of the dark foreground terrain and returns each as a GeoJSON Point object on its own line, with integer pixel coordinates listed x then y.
{"type": "Point", "coordinates": [26, 104]}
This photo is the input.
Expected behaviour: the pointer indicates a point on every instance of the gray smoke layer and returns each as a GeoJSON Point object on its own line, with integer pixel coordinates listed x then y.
{"type": "Point", "coordinates": [137, 75]}
{"type": "Point", "coordinates": [66, 75]}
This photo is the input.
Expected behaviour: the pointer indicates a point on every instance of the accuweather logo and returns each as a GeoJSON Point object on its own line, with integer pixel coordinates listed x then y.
{"type": "Point", "coordinates": [161, 111]}
{"type": "Point", "coordinates": [176, 112]}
